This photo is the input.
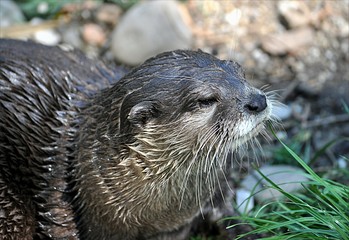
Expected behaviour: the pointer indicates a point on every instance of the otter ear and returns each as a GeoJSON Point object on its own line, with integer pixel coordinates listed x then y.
{"type": "Point", "coordinates": [141, 113]}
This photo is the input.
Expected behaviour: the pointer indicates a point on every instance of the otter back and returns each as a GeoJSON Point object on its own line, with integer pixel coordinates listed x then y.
{"type": "Point", "coordinates": [41, 90]}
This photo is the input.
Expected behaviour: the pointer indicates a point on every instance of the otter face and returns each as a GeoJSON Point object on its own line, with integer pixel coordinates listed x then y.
{"type": "Point", "coordinates": [192, 86]}
{"type": "Point", "coordinates": [170, 126]}
{"type": "Point", "coordinates": [190, 104]}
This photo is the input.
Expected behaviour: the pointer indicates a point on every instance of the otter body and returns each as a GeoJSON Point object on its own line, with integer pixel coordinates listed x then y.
{"type": "Point", "coordinates": [84, 155]}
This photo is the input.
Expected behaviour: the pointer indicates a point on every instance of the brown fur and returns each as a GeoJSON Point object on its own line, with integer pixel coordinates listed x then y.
{"type": "Point", "coordinates": [87, 156]}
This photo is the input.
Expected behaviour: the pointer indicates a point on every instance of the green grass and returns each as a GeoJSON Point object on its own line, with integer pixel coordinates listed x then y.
{"type": "Point", "coordinates": [320, 212]}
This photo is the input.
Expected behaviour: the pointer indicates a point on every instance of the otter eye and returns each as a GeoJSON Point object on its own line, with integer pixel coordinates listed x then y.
{"type": "Point", "coordinates": [207, 102]}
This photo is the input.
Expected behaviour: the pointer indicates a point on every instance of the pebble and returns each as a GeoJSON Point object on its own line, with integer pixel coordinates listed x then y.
{"type": "Point", "coordinates": [48, 37]}
{"type": "Point", "coordinates": [289, 41]}
{"type": "Point", "coordinates": [281, 112]}
{"type": "Point", "coordinates": [43, 7]}
{"type": "Point", "coordinates": [282, 135]}
{"type": "Point", "coordinates": [294, 13]}
{"type": "Point", "coordinates": [149, 28]}
{"type": "Point", "coordinates": [10, 13]}
{"type": "Point", "coordinates": [36, 21]}
{"type": "Point", "coordinates": [71, 35]}
{"type": "Point", "coordinates": [109, 13]}
{"type": "Point", "coordinates": [308, 90]}
{"type": "Point", "coordinates": [244, 200]}
{"type": "Point", "coordinates": [93, 34]}
{"type": "Point", "coordinates": [342, 163]}
{"type": "Point", "coordinates": [289, 178]}
{"type": "Point", "coordinates": [342, 26]}
{"type": "Point", "coordinates": [262, 59]}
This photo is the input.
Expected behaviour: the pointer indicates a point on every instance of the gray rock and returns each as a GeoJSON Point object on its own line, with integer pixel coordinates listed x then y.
{"type": "Point", "coordinates": [342, 163]}
{"type": "Point", "coordinates": [71, 35]}
{"type": "Point", "coordinates": [290, 41]}
{"type": "Point", "coordinates": [244, 200]}
{"type": "Point", "coordinates": [10, 13]}
{"type": "Point", "coordinates": [109, 13]}
{"type": "Point", "coordinates": [288, 178]}
{"type": "Point", "coordinates": [149, 28]}
{"type": "Point", "coordinates": [281, 112]}
{"type": "Point", "coordinates": [262, 59]}
{"type": "Point", "coordinates": [294, 13]}
{"type": "Point", "coordinates": [48, 37]}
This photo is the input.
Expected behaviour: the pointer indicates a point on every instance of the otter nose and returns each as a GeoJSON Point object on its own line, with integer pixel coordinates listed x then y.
{"type": "Point", "coordinates": [257, 103]}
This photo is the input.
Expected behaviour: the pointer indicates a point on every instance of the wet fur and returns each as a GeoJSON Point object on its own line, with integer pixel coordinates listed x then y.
{"type": "Point", "coordinates": [87, 156]}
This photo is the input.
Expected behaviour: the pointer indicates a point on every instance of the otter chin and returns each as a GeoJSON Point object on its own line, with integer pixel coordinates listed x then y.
{"type": "Point", "coordinates": [87, 155]}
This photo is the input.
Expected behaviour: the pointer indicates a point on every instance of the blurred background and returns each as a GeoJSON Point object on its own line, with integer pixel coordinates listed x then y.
{"type": "Point", "coordinates": [297, 49]}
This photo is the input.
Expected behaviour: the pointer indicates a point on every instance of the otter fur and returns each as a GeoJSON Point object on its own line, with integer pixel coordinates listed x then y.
{"type": "Point", "coordinates": [88, 154]}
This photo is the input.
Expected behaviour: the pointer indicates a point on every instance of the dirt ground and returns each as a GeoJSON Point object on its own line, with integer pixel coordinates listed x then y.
{"type": "Point", "coordinates": [309, 71]}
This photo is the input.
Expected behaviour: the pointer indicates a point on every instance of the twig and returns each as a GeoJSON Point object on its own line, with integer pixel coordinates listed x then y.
{"type": "Point", "coordinates": [342, 118]}
{"type": "Point", "coordinates": [24, 30]}
{"type": "Point", "coordinates": [287, 92]}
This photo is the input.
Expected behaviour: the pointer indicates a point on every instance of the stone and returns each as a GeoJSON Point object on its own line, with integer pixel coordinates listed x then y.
{"type": "Point", "coordinates": [307, 90]}
{"type": "Point", "coordinates": [48, 37]}
{"type": "Point", "coordinates": [288, 178]}
{"type": "Point", "coordinates": [109, 13]}
{"type": "Point", "coordinates": [10, 13]}
{"type": "Point", "coordinates": [71, 35]}
{"type": "Point", "coordinates": [262, 59]}
{"type": "Point", "coordinates": [93, 34]}
{"type": "Point", "coordinates": [294, 13]}
{"type": "Point", "coordinates": [342, 163]}
{"type": "Point", "coordinates": [290, 41]}
{"type": "Point", "coordinates": [149, 28]}
{"type": "Point", "coordinates": [244, 200]}
{"type": "Point", "coordinates": [281, 111]}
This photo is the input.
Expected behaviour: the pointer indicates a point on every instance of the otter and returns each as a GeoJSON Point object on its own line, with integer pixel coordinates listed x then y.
{"type": "Point", "coordinates": [86, 153]}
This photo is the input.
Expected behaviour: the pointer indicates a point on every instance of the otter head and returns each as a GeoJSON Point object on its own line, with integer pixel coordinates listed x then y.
{"type": "Point", "coordinates": [184, 107]}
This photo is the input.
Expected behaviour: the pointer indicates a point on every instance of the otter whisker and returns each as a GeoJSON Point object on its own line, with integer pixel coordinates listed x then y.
{"type": "Point", "coordinates": [198, 191]}
{"type": "Point", "coordinates": [265, 87]}
{"type": "Point", "coordinates": [194, 161]}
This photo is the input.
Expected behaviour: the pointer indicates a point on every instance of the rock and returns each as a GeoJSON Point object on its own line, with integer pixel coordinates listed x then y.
{"type": "Point", "coordinates": [93, 34]}
{"type": "Point", "coordinates": [244, 200]}
{"type": "Point", "coordinates": [71, 35]}
{"type": "Point", "coordinates": [288, 178]}
{"type": "Point", "coordinates": [43, 7]}
{"type": "Point", "coordinates": [48, 37]}
{"type": "Point", "coordinates": [290, 41]}
{"type": "Point", "coordinates": [36, 21]}
{"type": "Point", "coordinates": [149, 28]}
{"type": "Point", "coordinates": [294, 13]}
{"type": "Point", "coordinates": [306, 90]}
{"type": "Point", "coordinates": [342, 163]}
{"type": "Point", "coordinates": [262, 59]}
{"type": "Point", "coordinates": [281, 111]}
{"type": "Point", "coordinates": [282, 135]}
{"type": "Point", "coordinates": [109, 13]}
{"type": "Point", "coordinates": [10, 13]}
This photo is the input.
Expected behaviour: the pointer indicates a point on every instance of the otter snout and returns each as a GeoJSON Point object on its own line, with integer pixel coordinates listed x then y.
{"type": "Point", "coordinates": [256, 104]}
